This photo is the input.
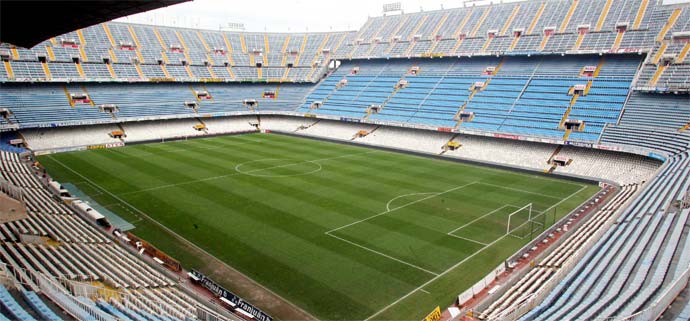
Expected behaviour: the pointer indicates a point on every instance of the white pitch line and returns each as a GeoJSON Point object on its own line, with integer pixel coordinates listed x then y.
{"type": "Point", "coordinates": [565, 199]}
{"type": "Point", "coordinates": [383, 254]}
{"type": "Point", "coordinates": [240, 173]}
{"type": "Point", "coordinates": [388, 208]}
{"type": "Point", "coordinates": [456, 265]}
{"type": "Point", "coordinates": [175, 234]}
{"type": "Point", "coordinates": [402, 206]}
{"type": "Point", "coordinates": [467, 239]}
{"type": "Point", "coordinates": [479, 218]}
{"type": "Point", "coordinates": [519, 190]}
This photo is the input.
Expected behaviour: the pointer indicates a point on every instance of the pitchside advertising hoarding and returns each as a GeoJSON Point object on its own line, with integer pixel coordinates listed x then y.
{"type": "Point", "coordinates": [238, 305]}
{"type": "Point", "coordinates": [435, 315]}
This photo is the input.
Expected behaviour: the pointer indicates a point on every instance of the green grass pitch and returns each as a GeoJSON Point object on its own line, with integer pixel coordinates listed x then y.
{"type": "Point", "coordinates": [345, 232]}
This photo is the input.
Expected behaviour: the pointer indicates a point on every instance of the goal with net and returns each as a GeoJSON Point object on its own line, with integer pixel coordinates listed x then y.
{"type": "Point", "coordinates": [521, 223]}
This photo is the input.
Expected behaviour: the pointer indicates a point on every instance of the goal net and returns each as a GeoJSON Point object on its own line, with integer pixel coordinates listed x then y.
{"type": "Point", "coordinates": [521, 222]}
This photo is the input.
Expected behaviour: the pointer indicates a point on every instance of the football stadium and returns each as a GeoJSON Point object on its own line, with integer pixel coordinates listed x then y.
{"type": "Point", "coordinates": [497, 160]}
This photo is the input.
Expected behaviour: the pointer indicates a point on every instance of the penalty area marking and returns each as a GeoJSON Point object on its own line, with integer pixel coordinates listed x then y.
{"type": "Point", "coordinates": [258, 170]}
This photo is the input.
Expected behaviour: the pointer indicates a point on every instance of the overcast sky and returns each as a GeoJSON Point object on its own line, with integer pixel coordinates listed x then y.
{"type": "Point", "coordinates": [281, 15]}
{"type": "Point", "coordinates": [285, 15]}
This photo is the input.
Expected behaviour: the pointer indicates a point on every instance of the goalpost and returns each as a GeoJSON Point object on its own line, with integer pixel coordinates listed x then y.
{"type": "Point", "coordinates": [519, 218]}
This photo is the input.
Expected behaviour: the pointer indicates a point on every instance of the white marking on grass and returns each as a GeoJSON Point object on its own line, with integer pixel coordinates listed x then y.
{"type": "Point", "coordinates": [226, 146]}
{"type": "Point", "coordinates": [175, 234]}
{"type": "Point", "coordinates": [520, 190]}
{"type": "Point", "coordinates": [382, 254]}
{"type": "Point", "coordinates": [89, 184]}
{"type": "Point", "coordinates": [388, 210]}
{"type": "Point", "coordinates": [251, 172]}
{"type": "Point", "coordinates": [388, 205]}
{"type": "Point", "coordinates": [419, 288]}
{"type": "Point", "coordinates": [425, 291]}
{"type": "Point", "coordinates": [402, 206]}
{"type": "Point", "coordinates": [239, 173]}
{"type": "Point", "coordinates": [466, 239]}
{"type": "Point", "coordinates": [479, 218]}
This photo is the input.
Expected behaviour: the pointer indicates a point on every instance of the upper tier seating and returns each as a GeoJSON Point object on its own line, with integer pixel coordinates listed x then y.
{"type": "Point", "coordinates": [525, 96]}
{"type": "Point", "coordinates": [187, 54]}
{"type": "Point", "coordinates": [38, 106]}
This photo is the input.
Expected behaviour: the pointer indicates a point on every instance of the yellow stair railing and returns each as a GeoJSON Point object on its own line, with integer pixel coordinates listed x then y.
{"type": "Point", "coordinates": [599, 66]}
{"type": "Point", "coordinates": [683, 53]}
{"type": "Point", "coordinates": [82, 54]}
{"type": "Point", "coordinates": [232, 74]}
{"type": "Point", "coordinates": [243, 43]}
{"type": "Point", "coordinates": [83, 88]}
{"type": "Point", "coordinates": [203, 41]}
{"type": "Point", "coordinates": [301, 50]}
{"type": "Point", "coordinates": [640, 14]}
{"type": "Point", "coordinates": [603, 15]}
{"type": "Point", "coordinates": [671, 21]}
{"type": "Point", "coordinates": [81, 71]}
{"type": "Point", "coordinates": [320, 49]}
{"type": "Point", "coordinates": [567, 134]}
{"type": "Point", "coordinates": [510, 20]}
{"type": "Point", "coordinates": [67, 94]}
{"type": "Point", "coordinates": [15, 53]}
{"type": "Point", "coordinates": [487, 43]}
{"type": "Point", "coordinates": [267, 47]}
{"type": "Point", "coordinates": [259, 73]}
{"type": "Point", "coordinates": [286, 43]}
{"type": "Point", "coordinates": [659, 71]}
{"type": "Point", "coordinates": [514, 43]}
{"type": "Point", "coordinates": [399, 26]}
{"type": "Point", "coordinates": [419, 25]}
{"type": "Point", "coordinates": [51, 54]}
{"type": "Point", "coordinates": [160, 39]}
{"type": "Point", "coordinates": [461, 26]}
{"type": "Point", "coordinates": [139, 71]}
{"type": "Point", "coordinates": [537, 16]}
{"type": "Point", "coordinates": [481, 21]}
{"type": "Point", "coordinates": [684, 128]}
{"type": "Point", "coordinates": [111, 70]}
{"type": "Point", "coordinates": [227, 43]}
{"type": "Point", "coordinates": [578, 42]}
{"type": "Point", "coordinates": [113, 57]}
{"type": "Point", "coordinates": [568, 15]}
{"type": "Point", "coordinates": [46, 70]}
{"type": "Point", "coordinates": [165, 71]}
{"type": "Point", "coordinates": [340, 43]}
{"type": "Point", "coordinates": [457, 45]}
{"type": "Point", "coordinates": [439, 25]}
{"type": "Point", "coordinates": [617, 42]}
{"type": "Point", "coordinates": [567, 111]}
{"type": "Point", "coordinates": [82, 40]}
{"type": "Point", "coordinates": [659, 54]}
{"type": "Point", "coordinates": [188, 69]}
{"type": "Point", "coordinates": [9, 70]}
{"type": "Point", "coordinates": [544, 41]}
{"type": "Point", "coordinates": [108, 34]}
{"type": "Point", "coordinates": [210, 71]}
{"type": "Point", "coordinates": [134, 37]}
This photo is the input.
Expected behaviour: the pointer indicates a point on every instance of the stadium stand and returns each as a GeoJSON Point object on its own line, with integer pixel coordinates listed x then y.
{"type": "Point", "coordinates": [601, 85]}
{"type": "Point", "coordinates": [71, 250]}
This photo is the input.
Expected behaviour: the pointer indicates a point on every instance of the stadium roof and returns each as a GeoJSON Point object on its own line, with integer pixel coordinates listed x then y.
{"type": "Point", "coordinates": [27, 23]}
